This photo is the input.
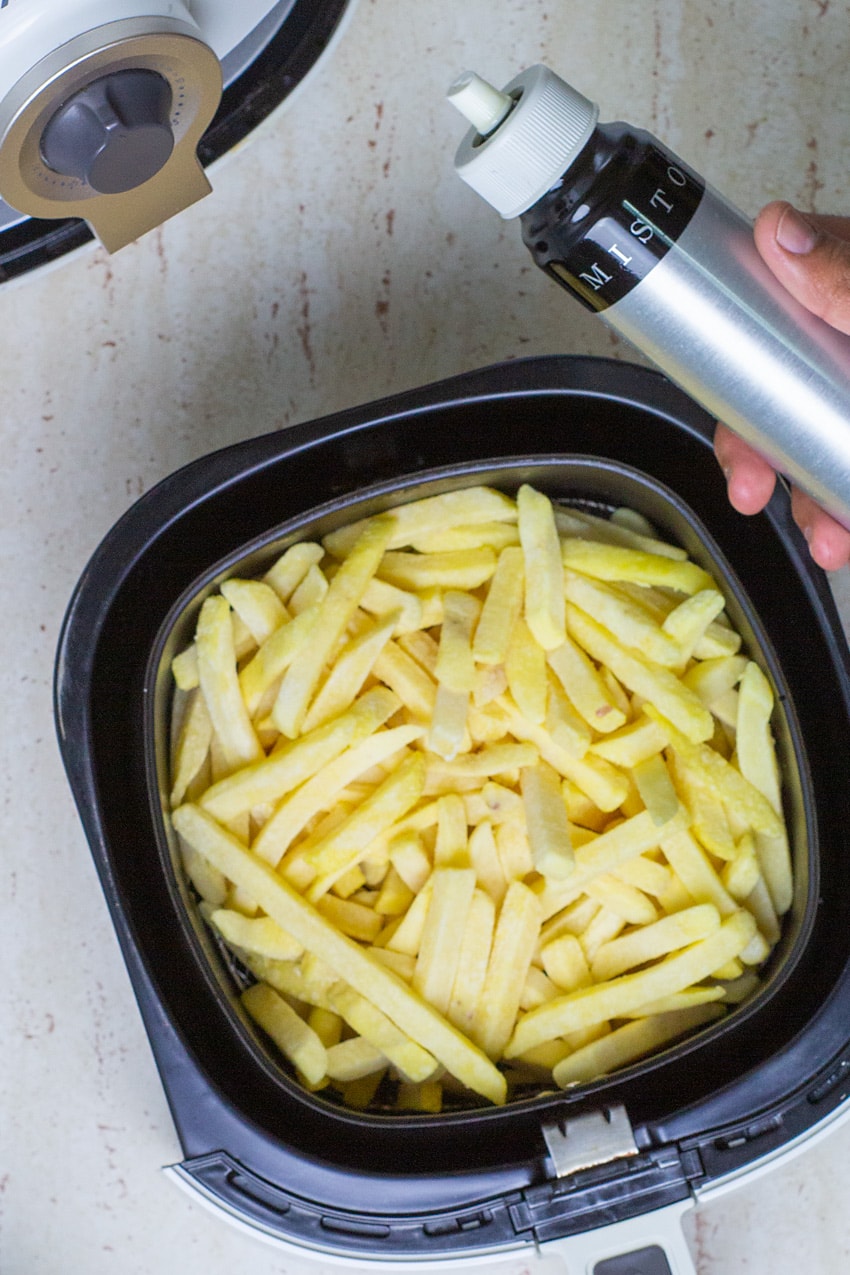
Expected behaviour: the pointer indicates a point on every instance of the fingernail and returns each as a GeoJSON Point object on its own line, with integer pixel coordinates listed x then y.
{"type": "Point", "coordinates": [807, 533]}
{"type": "Point", "coordinates": [794, 233]}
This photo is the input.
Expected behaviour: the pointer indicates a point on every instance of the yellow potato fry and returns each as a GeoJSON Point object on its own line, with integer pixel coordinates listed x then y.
{"type": "Point", "coordinates": [616, 562]}
{"type": "Point", "coordinates": [296, 810]}
{"type": "Point", "coordinates": [630, 1042]}
{"type": "Point", "coordinates": [705, 994]}
{"type": "Point", "coordinates": [484, 857]}
{"type": "Point", "coordinates": [310, 593]}
{"type": "Point", "coordinates": [606, 787]}
{"type": "Point", "coordinates": [345, 680]}
{"type": "Point", "coordinates": [651, 941]}
{"type": "Point", "coordinates": [584, 687]}
{"type": "Point", "coordinates": [624, 527]}
{"type": "Point", "coordinates": [368, 1021]}
{"type": "Point", "coordinates": [601, 855]}
{"type": "Point", "coordinates": [565, 963]}
{"type": "Point", "coordinates": [542, 568]}
{"type": "Point", "coordinates": [711, 679]}
{"type": "Point", "coordinates": [394, 897]}
{"type": "Point", "coordinates": [754, 739]}
{"type": "Point", "coordinates": [410, 860]}
{"type": "Point", "coordinates": [538, 989]}
{"type": "Point", "coordinates": [346, 844]}
{"type": "Point", "coordinates": [656, 789]}
{"type": "Point", "coordinates": [184, 666]}
{"type": "Point", "coordinates": [295, 1040]}
{"type": "Point", "coordinates": [436, 964]}
{"type": "Point", "coordinates": [468, 506]}
{"type": "Point", "coordinates": [291, 567]}
{"type": "Point", "coordinates": [354, 1059]}
{"type": "Point", "coordinates": [351, 918]}
{"type": "Point", "coordinates": [256, 934]}
{"type": "Point", "coordinates": [210, 884]}
{"type": "Point", "coordinates": [775, 859]}
{"type": "Point", "coordinates": [495, 759]}
{"type": "Point", "coordinates": [422, 648]}
{"type": "Point", "coordinates": [400, 963]}
{"type": "Point", "coordinates": [567, 729]}
{"type": "Point", "coordinates": [270, 779]}
{"type": "Point", "coordinates": [514, 943]}
{"type": "Point", "coordinates": [473, 956]}
{"type": "Point", "coordinates": [497, 535]}
{"type": "Point", "coordinates": [687, 622]}
{"type": "Point", "coordinates": [448, 734]}
{"type": "Point", "coordinates": [546, 821]}
{"type": "Point", "coordinates": [621, 615]}
{"type": "Point", "coordinates": [407, 936]}
{"type": "Point", "coordinates": [257, 605]}
{"type": "Point", "coordinates": [652, 682]}
{"type": "Point", "coordinates": [326, 1024]}
{"type": "Point", "coordinates": [633, 743]}
{"type": "Point", "coordinates": [380, 599]}
{"type": "Point", "coordinates": [455, 569]}
{"type": "Point", "coordinates": [292, 979]}
{"type": "Point", "coordinates": [605, 1001]}
{"type": "Point", "coordinates": [502, 606]}
{"type": "Point", "coordinates": [720, 779]}
{"type": "Point", "coordinates": [513, 849]}
{"type": "Point", "coordinates": [455, 666]}
{"type": "Point", "coordinates": [709, 822]}
{"type": "Point", "coordinates": [425, 1096]}
{"type": "Point", "coordinates": [413, 686]}
{"type": "Point", "coordinates": [336, 610]}
{"type": "Point", "coordinates": [192, 745]}
{"type": "Point", "coordinates": [450, 844]}
{"type": "Point", "coordinates": [525, 672]}
{"type": "Point", "coordinates": [691, 865]}
{"type": "Point", "coordinates": [718, 640]}
{"type": "Point", "coordinates": [273, 658]}
{"type": "Point", "coordinates": [628, 903]}
{"type": "Point", "coordinates": [645, 874]}
{"type": "Point", "coordinates": [219, 684]}
{"type": "Point", "coordinates": [351, 963]}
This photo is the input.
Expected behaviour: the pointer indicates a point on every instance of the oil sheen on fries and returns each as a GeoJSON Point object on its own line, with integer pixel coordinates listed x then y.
{"type": "Point", "coordinates": [480, 795]}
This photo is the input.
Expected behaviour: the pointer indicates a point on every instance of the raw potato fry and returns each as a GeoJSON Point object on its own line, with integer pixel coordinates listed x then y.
{"type": "Point", "coordinates": [288, 1030]}
{"type": "Point", "coordinates": [512, 814]}
{"type": "Point", "coordinates": [350, 962]}
{"type": "Point", "coordinates": [502, 606]}
{"type": "Point", "coordinates": [604, 1001]}
{"type": "Point", "coordinates": [628, 1043]}
{"type": "Point", "coordinates": [335, 611]}
{"type": "Point", "coordinates": [542, 569]}
{"type": "Point", "coordinates": [219, 684]}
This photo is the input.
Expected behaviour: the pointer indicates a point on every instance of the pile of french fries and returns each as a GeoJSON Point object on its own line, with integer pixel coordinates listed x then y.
{"type": "Point", "coordinates": [481, 794]}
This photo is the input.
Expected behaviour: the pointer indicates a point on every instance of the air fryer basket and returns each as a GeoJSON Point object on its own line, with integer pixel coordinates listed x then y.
{"type": "Point", "coordinates": [601, 431]}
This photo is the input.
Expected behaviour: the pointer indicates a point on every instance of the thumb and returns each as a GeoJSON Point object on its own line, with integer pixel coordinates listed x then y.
{"type": "Point", "coordinates": [810, 261]}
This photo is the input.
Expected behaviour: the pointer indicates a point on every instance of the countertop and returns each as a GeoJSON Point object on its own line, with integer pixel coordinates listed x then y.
{"type": "Point", "coordinates": [338, 260]}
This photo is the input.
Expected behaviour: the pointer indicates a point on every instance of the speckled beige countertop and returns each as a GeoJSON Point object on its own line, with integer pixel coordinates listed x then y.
{"type": "Point", "coordinates": [338, 260]}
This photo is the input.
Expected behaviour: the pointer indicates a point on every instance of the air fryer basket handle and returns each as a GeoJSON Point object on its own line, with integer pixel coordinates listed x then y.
{"type": "Point", "coordinates": [652, 1244]}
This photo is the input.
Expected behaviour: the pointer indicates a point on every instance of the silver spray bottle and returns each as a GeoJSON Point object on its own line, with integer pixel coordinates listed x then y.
{"type": "Point", "coordinates": [633, 232]}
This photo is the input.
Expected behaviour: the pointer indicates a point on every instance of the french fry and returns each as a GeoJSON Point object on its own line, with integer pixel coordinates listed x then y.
{"type": "Point", "coordinates": [604, 1001]}
{"type": "Point", "coordinates": [257, 605]}
{"type": "Point", "coordinates": [350, 961]}
{"type": "Point", "coordinates": [260, 935]}
{"type": "Point", "coordinates": [501, 608]}
{"type": "Point", "coordinates": [336, 609]}
{"type": "Point", "coordinates": [514, 941]}
{"type": "Point", "coordinates": [285, 575]}
{"type": "Point", "coordinates": [542, 569]}
{"type": "Point", "coordinates": [368, 1021]}
{"type": "Point", "coordinates": [436, 964]}
{"type": "Point", "coordinates": [652, 682]}
{"type": "Point", "coordinates": [293, 1037]}
{"type": "Point", "coordinates": [621, 615]}
{"type": "Point", "coordinates": [192, 745]}
{"type": "Point", "coordinates": [473, 957]}
{"type": "Point", "coordinates": [345, 680]}
{"type": "Point", "coordinates": [454, 569]}
{"type": "Point", "coordinates": [616, 562]}
{"type": "Point", "coordinates": [651, 941]}
{"type": "Point", "coordinates": [219, 684]}
{"type": "Point", "coordinates": [468, 506]}
{"type": "Point", "coordinates": [584, 687]}
{"type": "Point", "coordinates": [455, 666]}
{"type": "Point", "coordinates": [631, 1041]}
{"type": "Point", "coordinates": [273, 777]}
{"type": "Point", "coordinates": [546, 821]}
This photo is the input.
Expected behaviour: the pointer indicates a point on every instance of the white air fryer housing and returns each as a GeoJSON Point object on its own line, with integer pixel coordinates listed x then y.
{"type": "Point", "coordinates": [103, 103]}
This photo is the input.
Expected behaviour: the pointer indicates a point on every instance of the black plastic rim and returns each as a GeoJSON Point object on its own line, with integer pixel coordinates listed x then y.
{"type": "Point", "coordinates": [271, 77]}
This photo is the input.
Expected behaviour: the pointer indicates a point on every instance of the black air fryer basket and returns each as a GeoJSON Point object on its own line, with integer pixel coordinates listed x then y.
{"type": "Point", "coordinates": [294, 1164]}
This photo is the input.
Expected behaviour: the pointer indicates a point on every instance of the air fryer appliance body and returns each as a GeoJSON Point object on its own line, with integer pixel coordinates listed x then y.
{"type": "Point", "coordinates": [480, 1182]}
{"type": "Point", "coordinates": [111, 109]}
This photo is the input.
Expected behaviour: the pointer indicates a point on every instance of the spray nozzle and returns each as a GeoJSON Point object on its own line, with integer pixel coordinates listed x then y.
{"type": "Point", "coordinates": [479, 102]}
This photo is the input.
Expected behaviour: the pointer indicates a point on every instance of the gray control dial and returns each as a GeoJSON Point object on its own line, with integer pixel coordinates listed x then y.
{"type": "Point", "coordinates": [114, 134]}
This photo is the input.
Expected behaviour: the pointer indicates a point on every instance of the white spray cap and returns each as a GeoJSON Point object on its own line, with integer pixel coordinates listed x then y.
{"type": "Point", "coordinates": [523, 137]}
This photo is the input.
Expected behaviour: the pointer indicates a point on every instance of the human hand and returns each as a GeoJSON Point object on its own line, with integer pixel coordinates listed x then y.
{"type": "Point", "coordinates": [810, 256]}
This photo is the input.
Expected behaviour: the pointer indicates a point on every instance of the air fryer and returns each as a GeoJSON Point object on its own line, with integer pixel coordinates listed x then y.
{"type": "Point", "coordinates": [478, 1181]}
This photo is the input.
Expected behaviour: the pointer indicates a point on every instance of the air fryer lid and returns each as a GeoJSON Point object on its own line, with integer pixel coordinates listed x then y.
{"type": "Point", "coordinates": [291, 1160]}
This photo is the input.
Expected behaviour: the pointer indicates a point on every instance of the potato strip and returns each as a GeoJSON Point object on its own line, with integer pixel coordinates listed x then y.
{"type": "Point", "coordinates": [350, 962]}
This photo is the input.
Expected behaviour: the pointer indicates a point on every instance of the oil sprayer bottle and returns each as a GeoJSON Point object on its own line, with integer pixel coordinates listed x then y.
{"type": "Point", "coordinates": [639, 237]}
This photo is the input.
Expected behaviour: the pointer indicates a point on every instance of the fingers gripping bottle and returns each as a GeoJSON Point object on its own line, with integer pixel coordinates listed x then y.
{"type": "Point", "coordinates": [636, 235]}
